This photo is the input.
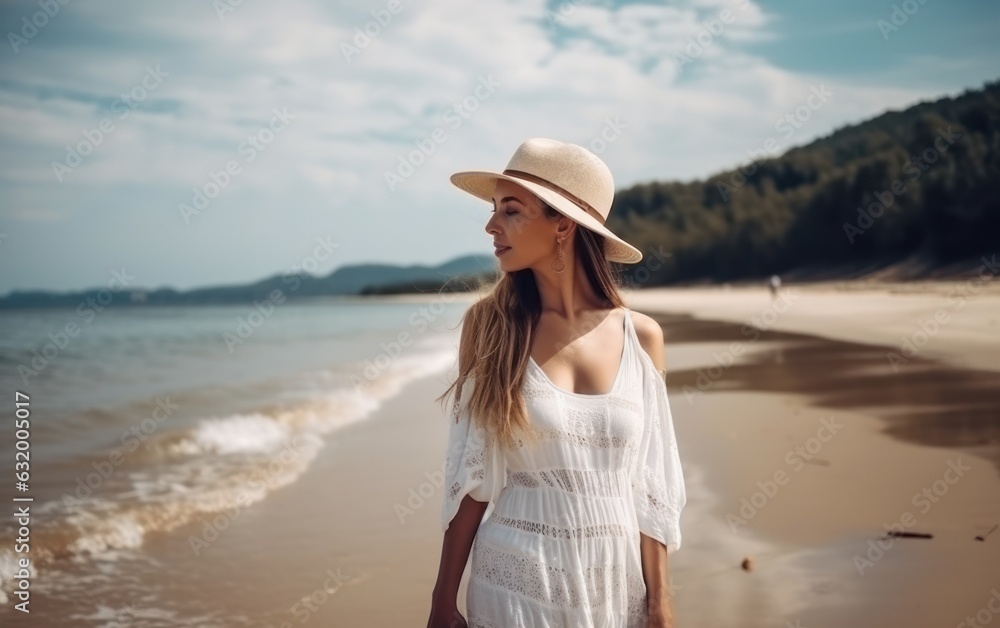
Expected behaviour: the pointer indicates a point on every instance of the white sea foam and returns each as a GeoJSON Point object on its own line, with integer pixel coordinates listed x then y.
{"type": "Point", "coordinates": [220, 464]}
{"type": "Point", "coordinates": [241, 433]}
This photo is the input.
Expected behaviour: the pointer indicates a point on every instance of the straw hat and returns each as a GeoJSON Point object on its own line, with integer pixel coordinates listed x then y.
{"type": "Point", "coordinates": [570, 178]}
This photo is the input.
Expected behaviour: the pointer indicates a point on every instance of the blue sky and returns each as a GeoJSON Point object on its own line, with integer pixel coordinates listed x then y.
{"type": "Point", "coordinates": [165, 97]}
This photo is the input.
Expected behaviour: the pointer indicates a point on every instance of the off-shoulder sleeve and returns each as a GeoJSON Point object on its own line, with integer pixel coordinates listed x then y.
{"type": "Point", "coordinates": [474, 463]}
{"type": "Point", "coordinates": [657, 479]}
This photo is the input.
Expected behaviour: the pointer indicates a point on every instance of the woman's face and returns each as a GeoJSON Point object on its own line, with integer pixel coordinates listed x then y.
{"type": "Point", "coordinates": [519, 222]}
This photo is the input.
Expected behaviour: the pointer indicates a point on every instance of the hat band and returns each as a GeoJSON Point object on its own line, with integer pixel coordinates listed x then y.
{"type": "Point", "coordinates": [582, 204]}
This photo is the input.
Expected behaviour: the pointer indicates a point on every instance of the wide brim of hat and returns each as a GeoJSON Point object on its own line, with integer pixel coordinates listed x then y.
{"type": "Point", "coordinates": [482, 184]}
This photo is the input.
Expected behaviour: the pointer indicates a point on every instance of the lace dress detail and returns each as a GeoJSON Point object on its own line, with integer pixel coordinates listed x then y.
{"type": "Point", "coordinates": [559, 541]}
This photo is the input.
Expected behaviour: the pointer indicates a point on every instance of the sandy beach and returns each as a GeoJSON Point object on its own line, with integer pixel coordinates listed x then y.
{"type": "Point", "coordinates": [803, 454]}
{"type": "Point", "coordinates": [957, 321]}
{"type": "Point", "coordinates": [819, 448]}
{"type": "Point", "coordinates": [800, 453]}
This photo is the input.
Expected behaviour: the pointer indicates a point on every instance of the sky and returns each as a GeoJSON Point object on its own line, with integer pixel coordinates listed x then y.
{"type": "Point", "coordinates": [199, 143]}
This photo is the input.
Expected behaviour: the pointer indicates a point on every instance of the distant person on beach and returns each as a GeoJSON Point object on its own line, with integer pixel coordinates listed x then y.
{"type": "Point", "coordinates": [775, 286]}
{"type": "Point", "coordinates": [562, 472]}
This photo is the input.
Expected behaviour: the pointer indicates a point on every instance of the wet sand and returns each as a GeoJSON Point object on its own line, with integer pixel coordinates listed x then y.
{"type": "Point", "coordinates": [815, 448]}
{"type": "Point", "coordinates": [923, 401]}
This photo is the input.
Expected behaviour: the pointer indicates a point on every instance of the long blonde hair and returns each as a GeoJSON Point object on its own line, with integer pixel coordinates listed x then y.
{"type": "Point", "coordinates": [500, 327]}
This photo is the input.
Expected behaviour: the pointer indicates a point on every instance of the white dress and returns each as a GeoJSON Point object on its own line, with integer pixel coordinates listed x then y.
{"type": "Point", "coordinates": [559, 542]}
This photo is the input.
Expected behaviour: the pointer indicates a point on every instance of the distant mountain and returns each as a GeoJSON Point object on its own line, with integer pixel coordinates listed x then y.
{"type": "Point", "coordinates": [347, 280]}
{"type": "Point", "coordinates": [917, 191]}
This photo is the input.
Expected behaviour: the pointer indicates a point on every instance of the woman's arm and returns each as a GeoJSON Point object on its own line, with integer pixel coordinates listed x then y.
{"type": "Point", "coordinates": [655, 573]}
{"type": "Point", "coordinates": [461, 531]}
{"type": "Point", "coordinates": [654, 554]}
{"type": "Point", "coordinates": [455, 550]}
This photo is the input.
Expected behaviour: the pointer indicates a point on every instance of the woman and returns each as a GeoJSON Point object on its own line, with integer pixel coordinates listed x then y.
{"type": "Point", "coordinates": [562, 475]}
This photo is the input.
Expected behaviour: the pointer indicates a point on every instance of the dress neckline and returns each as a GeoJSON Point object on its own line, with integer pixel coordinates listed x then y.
{"type": "Point", "coordinates": [627, 325]}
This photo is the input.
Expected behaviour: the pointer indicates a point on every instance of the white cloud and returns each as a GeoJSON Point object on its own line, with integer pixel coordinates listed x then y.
{"type": "Point", "coordinates": [426, 58]}
{"type": "Point", "coordinates": [356, 117]}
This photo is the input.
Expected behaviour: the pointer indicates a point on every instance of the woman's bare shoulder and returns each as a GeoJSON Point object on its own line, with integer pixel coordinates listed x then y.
{"type": "Point", "coordinates": [650, 336]}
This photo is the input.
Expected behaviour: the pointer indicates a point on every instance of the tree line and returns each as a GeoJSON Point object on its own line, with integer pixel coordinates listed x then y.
{"type": "Point", "coordinates": [921, 184]}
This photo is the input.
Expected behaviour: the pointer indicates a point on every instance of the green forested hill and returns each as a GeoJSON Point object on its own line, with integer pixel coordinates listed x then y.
{"type": "Point", "coordinates": [920, 184]}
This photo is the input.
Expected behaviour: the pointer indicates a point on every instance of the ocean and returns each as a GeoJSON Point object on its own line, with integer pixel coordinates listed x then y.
{"type": "Point", "coordinates": [146, 419]}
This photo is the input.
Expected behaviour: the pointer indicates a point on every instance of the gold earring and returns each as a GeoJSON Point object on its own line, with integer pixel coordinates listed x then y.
{"type": "Point", "coordinates": [558, 265]}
